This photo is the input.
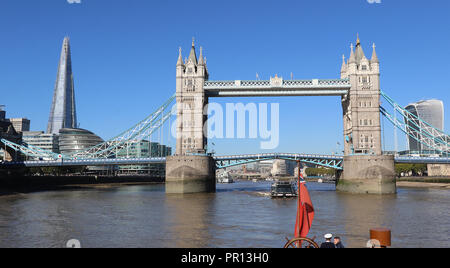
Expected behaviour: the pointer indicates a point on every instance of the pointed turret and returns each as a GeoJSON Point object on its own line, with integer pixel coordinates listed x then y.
{"type": "Point", "coordinates": [180, 58]}
{"type": "Point", "coordinates": [352, 58]}
{"type": "Point", "coordinates": [359, 53]}
{"type": "Point", "coordinates": [374, 55]}
{"type": "Point", "coordinates": [344, 68]}
{"type": "Point", "coordinates": [193, 55]}
{"type": "Point", "coordinates": [344, 65]}
{"type": "Point", "coordinates": [200, 59]}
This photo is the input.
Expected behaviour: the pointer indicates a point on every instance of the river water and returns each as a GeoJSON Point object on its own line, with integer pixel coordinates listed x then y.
{"type": "Point", "coordinates": [238, 215]}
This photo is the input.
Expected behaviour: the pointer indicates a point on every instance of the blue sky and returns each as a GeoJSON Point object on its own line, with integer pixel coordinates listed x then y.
{"type": "Point", "coordinates": [124, 54]}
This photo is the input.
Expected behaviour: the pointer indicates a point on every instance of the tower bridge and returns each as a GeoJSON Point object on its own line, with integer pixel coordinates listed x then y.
{"type": "Point", "coordinates": [359, 88]}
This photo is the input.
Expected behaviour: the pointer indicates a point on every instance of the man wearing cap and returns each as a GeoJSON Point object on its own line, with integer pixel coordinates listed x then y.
{"type": "Point", "coordinates": [328, 243]}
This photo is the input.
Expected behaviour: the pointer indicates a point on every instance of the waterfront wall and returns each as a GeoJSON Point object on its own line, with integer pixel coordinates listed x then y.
{"type": "Point", "coordinates": [32, 183]}
{"type": "Point", "coordinates": [438, 170]}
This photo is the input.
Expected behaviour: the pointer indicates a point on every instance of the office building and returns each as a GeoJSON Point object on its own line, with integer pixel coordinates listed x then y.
{"type": "Point", "coordinates": [48, 142]}
{"type": "Point", "coordinates": [430, 111]}
{"type": "Point", "coordinates": [144, 149]}
{"type": "Point", "coordinates": [20, 124]}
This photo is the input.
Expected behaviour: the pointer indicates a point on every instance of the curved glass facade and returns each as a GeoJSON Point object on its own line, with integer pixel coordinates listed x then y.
{"type": "Point", "coordinates": [430, 111]}
{"type": "Point", "coordinates": [72, 140]}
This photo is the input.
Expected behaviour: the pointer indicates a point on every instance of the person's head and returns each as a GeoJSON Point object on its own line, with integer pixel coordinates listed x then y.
{"type": "Point", "coordinates": [328, 237]}
{"type": "Point", "coordinates": [337, 239]}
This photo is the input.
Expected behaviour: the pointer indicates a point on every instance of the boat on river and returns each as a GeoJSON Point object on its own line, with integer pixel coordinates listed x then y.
{"type": "Point", "coordinates": [283, 189]}
{"type": "Point", "coordinates": [225, 178]}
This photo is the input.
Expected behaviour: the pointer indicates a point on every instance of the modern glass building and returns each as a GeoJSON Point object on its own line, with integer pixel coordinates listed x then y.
{"type": "Point", "coordinates": [430, 111]}
{"type": "Point", "coordinates": [72, 140]}
{"type": "Point", "coordinates": [63, 113]}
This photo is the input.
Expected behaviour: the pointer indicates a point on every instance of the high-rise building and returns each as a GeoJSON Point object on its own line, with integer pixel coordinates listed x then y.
{"type": "Point", "coordinates": [430, 111]}
{"type": "Point", "coordinates": [20, 124]}
{"type": "Point", "coordinates": [63, 112]}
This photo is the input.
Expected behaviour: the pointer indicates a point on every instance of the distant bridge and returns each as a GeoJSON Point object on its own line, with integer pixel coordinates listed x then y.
{"type": "Point", "coordinates": [331, 161]}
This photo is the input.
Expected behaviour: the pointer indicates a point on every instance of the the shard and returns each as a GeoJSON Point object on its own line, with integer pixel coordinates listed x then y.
{"type": "Point", "coordinates": [63, 113]}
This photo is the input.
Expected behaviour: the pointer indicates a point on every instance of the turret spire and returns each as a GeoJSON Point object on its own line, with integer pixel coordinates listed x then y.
{"type": "Point", "coordinates": [359, 53]}
{"type": "Point", "coordinates": [180, 58]}
{"type": "Point", "coordinates": [374, 55]}
{"type": "Point", "coordinates": [344, 65]}
{"type": "Point", "coordinates": [193, 55]}
{"type": "Point", "coordinates": [352, 55]}
{"type": "Point", "coordinates": [200, 59]}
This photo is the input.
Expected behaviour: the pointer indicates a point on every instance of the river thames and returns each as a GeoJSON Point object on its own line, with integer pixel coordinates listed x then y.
{"type": "Point", "coordinates": [237, 216]}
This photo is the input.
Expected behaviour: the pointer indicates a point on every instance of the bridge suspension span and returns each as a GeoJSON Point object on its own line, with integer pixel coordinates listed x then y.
{"type": "Point", "coordinates": [416, 128]}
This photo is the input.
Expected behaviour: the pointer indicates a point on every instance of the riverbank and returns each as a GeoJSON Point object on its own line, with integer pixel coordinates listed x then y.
{"type": "Point", "coordinates": [28, 184]}
{"type": "Point", "coordinates": [424, 182]}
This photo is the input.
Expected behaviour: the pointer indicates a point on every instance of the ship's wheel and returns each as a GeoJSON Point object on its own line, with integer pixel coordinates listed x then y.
{"type": "Point", "coordinates": [302, 242]}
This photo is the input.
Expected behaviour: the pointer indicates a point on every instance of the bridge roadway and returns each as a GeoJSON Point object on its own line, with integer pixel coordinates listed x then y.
{"type": "Point", "coordinates": [332, 161]}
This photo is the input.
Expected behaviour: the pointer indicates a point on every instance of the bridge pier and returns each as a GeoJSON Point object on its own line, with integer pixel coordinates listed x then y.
{"type": "Point", "coordinates": [368, 174]}
{"type": "Point", "coordinates": [190, 174]}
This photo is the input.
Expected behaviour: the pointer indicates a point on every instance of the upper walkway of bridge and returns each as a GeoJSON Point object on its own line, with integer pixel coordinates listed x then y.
{"type": "Point", "coordinates": [277, 87]}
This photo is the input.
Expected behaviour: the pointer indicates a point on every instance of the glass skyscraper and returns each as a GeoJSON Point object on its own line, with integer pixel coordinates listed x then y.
{"type": "Point", "coordinates": [430, 111]}
{"type": "Point", "coordinates": [63, 113]}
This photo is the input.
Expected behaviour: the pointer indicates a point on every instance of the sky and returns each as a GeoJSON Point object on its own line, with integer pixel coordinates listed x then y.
{"type": "Point", "coordinates": [124, 54]}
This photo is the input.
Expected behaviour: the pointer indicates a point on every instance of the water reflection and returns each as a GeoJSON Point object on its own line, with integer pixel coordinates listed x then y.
{"type": "Point", "coordinates": [189, 221]}
{"type": "Point", "coordinates": [236, 216]}
{"type": "Point", "coordinates": [361, 213]}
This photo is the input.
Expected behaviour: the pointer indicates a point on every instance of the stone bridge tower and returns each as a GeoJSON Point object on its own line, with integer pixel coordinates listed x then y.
{"type": "Point", "coordinates": [366, 169]}
{"type": "Point", "coordinates": [362, 128]}
{"type": "Point", "coordinates": [190, 170]}
{"type": "Point", "coordinates": [191, 100]}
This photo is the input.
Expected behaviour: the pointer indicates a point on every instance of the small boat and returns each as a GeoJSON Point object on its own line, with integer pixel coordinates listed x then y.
{"type": "Point", "coordinates": [283, 189]}
{"type": "Point", "coordinates": [225, 178]}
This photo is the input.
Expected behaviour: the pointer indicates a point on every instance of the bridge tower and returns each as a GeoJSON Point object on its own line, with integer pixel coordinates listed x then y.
{"type": "Point", "coordinates": [191, 170]}
{"type": "Point", "coordinates": [366, 169]}
{"type": "Point", "coordinates": [191, 101]}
